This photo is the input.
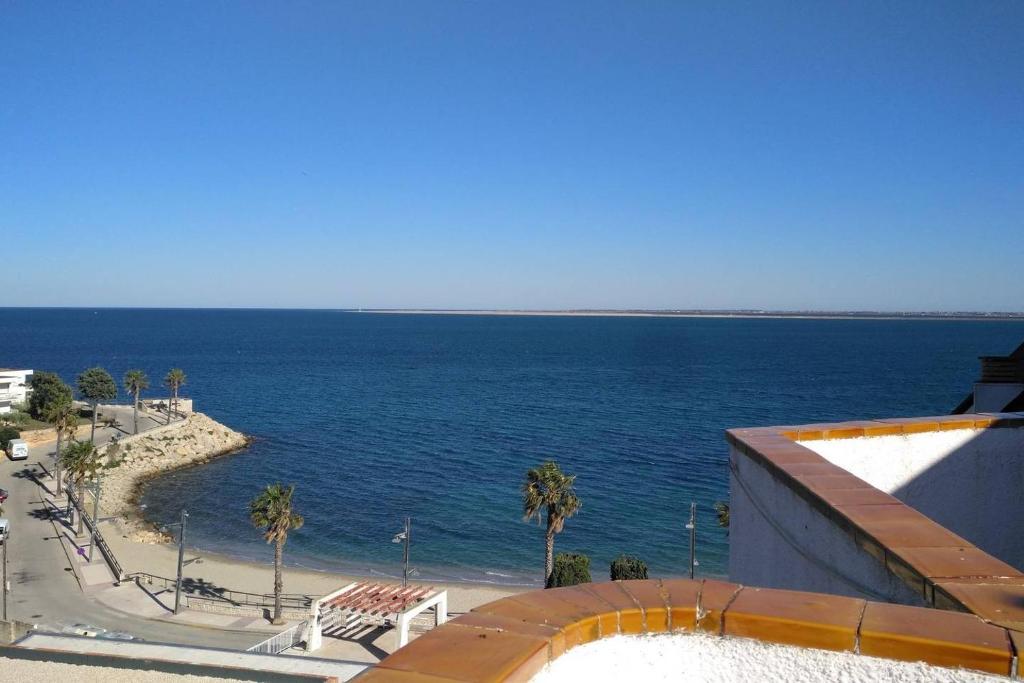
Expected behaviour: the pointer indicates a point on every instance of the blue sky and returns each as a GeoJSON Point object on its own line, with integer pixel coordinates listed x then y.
{"type": "Point", "coordinates": [864, 155]}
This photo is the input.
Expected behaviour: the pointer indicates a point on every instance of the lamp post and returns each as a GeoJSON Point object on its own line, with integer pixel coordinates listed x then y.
{"type": "Point", "coordinates": [182, 562]}
{"type": "Point", "coordinates": [95, 513]}
{"type": "Point", "coordinates": [5, 573]}
{"type": "Point", "coordinates": [405, 536]}
{"type": "Point", "coordinates": [692, 527]}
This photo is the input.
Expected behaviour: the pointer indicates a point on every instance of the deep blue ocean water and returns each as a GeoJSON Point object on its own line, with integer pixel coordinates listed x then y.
{"type": "Point", "coordinates": [378, 416]}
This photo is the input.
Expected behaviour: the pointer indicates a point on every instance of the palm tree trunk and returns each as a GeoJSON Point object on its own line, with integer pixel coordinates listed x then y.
{"type": "Point", "coordinates": [92, 434]}
{"type": "Point", "coordinates": [135, 412]}
{"type": "Point", "coordinates": [549, 550]}
{"type": "Point", "coordinates": [278, 583]}
{"type": "Point", "coordinates": [57, 464]}
{"type": "Point", "coordinates": [81, 509]}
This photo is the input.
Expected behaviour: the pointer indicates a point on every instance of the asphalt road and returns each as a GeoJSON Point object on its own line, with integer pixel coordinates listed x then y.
{"type": "Point", "coordinates": [43, 586]}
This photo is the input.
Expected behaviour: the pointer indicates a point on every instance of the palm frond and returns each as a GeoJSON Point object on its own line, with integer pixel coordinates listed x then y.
{"type": "Point", "coordinates": [548, 489]}
{"type": "Point", "coordinates": [272, 511]}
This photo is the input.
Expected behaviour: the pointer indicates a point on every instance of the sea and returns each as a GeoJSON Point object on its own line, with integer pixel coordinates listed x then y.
{"type": "Point", "coordinates": [375, 417]}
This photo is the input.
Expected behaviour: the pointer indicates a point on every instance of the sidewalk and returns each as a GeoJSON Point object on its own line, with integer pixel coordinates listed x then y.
{"type": "Point", "coordinates": [97, 581]}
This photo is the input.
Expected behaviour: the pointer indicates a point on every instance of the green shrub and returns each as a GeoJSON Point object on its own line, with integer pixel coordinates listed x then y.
{"type": "Point", "coordinates": [16, 417]}
{"type": "Point", "coordinates": [722, 512]}
{"type": "Point", "coordinates": [628, 567]}
{"type": "Point", "coordinates": [6, 434]}
{"type": "Point", "coordinates": [570, 569]}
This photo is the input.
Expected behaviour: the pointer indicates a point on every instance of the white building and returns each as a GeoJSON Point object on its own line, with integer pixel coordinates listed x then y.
{"type": "Point", "coordinates": [14, 388]}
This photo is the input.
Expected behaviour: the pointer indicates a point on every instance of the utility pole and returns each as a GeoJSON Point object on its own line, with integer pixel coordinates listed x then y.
{"type": "Point", "coordinates": [181, 563]}
{"type": "Point", "coordinates": [5, 572]}
{"type": "Point", "coordinates": [405, 552]}
{"type": "Point", "coordinates": [95, 513]}
{"type": "Point", "coordinates": [692, 526]}
{"type": "Point", "coordinates": [404, 536]}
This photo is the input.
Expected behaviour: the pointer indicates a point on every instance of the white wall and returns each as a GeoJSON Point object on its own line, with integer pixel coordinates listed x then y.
{"type": "Point", "coordinates": [777, 540]}
{"type": "Point", "coordinates": [970, 481]}
{"type": "Point", "coordinates": [16, 389]}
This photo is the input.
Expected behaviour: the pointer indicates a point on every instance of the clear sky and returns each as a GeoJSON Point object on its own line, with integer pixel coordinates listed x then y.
{"type": "Point", "coordinates": [785, 155]}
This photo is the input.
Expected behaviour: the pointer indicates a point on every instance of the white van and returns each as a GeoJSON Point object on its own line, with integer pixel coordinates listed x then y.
{"type": "Point", "coordinates": [18, 449]}
{"type": "Point", "coordinates": [5, 528]}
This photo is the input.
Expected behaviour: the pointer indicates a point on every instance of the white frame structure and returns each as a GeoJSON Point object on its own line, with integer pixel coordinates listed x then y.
{"type": "Point", "coordinates": [432, 598]}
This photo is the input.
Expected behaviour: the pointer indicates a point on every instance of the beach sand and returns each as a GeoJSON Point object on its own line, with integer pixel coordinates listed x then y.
{"type": "Point", "coordinates": [240, 575]}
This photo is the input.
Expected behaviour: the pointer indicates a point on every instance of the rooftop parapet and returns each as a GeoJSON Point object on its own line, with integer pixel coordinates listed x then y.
{"type": "Point", "coordinates": [838, 507]}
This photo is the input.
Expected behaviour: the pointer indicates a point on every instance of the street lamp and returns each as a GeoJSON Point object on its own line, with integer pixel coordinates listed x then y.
{"type": "Point", "coordinates": [182, 562]}
{"type": "Point", "coordinates": [405, 536]}
{"type": "Point", "coordinates": [95, 513]}
{"type": "Point", "coordinates": [692, 528]}
{"type": "Point", "coordinates": [6, 536]}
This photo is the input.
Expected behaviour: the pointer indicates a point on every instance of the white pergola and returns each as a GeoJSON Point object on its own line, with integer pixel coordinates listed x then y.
{"type": "Point", "coordinates": [349, 605]}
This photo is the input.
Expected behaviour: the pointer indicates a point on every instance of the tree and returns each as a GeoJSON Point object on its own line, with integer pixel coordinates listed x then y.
{"type": "Point", "coordinates": [174, 380]}
{"type": "Point", "coordinates": [95, 385]}
{"type": "Point", "coordinates": [47, 390]}
{"type": "Point", "coordinates": [272, 511]}
{"type": "Point", "coordinates": [626, 567]}
{"type": "Point", "coordinates": [570, 569]}
{"type": "Point", "coordinates": [722, 512]}
{"type": "Point", "coordinates": [135, 382]}
{"type": "Point", "coordinates": [81, 461]}
{"type": "Point", "coordinates": [64, 420]}
{"type": "Point", "coordinates": [548, 489]}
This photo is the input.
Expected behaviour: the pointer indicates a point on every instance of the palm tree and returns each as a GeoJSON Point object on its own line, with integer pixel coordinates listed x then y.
{"type": "Point", "coordinates": [62, 416]}
{"type": "Point", "coordinates": [272, 511]}
{"type": "Point", "coordinates": [95, 385]}
{"type": "Point", "coordinates": [175, 379]}
{"type": "Point", "coordinates": [546, 487]}
{"type": "Point", "coordinates": [135, 381]}
{"type": "Point", "coordinates": [81, 460]}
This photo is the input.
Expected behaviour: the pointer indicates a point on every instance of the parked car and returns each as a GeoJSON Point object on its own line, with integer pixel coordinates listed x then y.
{"type": "Point", "coordinates": [3, 496]}
{"type": "Point", "coordinates": [5, 529]}
{"type": "Point", "coordinates": [18, 449]}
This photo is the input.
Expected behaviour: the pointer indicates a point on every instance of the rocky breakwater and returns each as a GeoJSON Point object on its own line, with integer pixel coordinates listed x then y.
{"type": "Point", "coordinates": [135, 460]}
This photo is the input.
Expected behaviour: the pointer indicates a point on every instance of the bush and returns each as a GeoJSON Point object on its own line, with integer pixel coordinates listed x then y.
{"type": "Point", "coordinates": [6, 434]}
{"type": "Point", "coordinates": [16, 418]}
{"type": "Point", "coordinates": [722, 512]}
{"type": "Point", "coordinates": [626, 567]}
{"type": "Point", "coordinates": [570, 569]}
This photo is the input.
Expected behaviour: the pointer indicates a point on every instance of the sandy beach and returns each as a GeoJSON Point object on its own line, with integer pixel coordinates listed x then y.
{"type": "Point", "coordinates": [239, 575]}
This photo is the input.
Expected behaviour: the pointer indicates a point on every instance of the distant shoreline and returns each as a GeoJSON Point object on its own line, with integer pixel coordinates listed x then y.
{"type": "Point", "coordinates": [582, 312]}
{"type": "Point", "coordinates": [799, 315]}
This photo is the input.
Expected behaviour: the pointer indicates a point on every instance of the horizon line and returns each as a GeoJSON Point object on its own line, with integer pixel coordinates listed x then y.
{"type": "Point", "coordinates": [662, 312]}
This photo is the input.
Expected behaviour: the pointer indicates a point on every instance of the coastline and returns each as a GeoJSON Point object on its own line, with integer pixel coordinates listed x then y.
{"type": "Point", "coordinates": [143, 457]}
{"type": "Point", "coordinates": [141, 547]}
{"type": "Point", "coordinates": [771, 315]}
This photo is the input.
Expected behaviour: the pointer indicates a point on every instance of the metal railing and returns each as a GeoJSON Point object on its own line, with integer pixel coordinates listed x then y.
{"type": "Point", "coordinates": [285, 640]}
{"type": "Point", "coordinates": [210, 593]}
{"type": "Point", "coordinates": [101, 543]}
